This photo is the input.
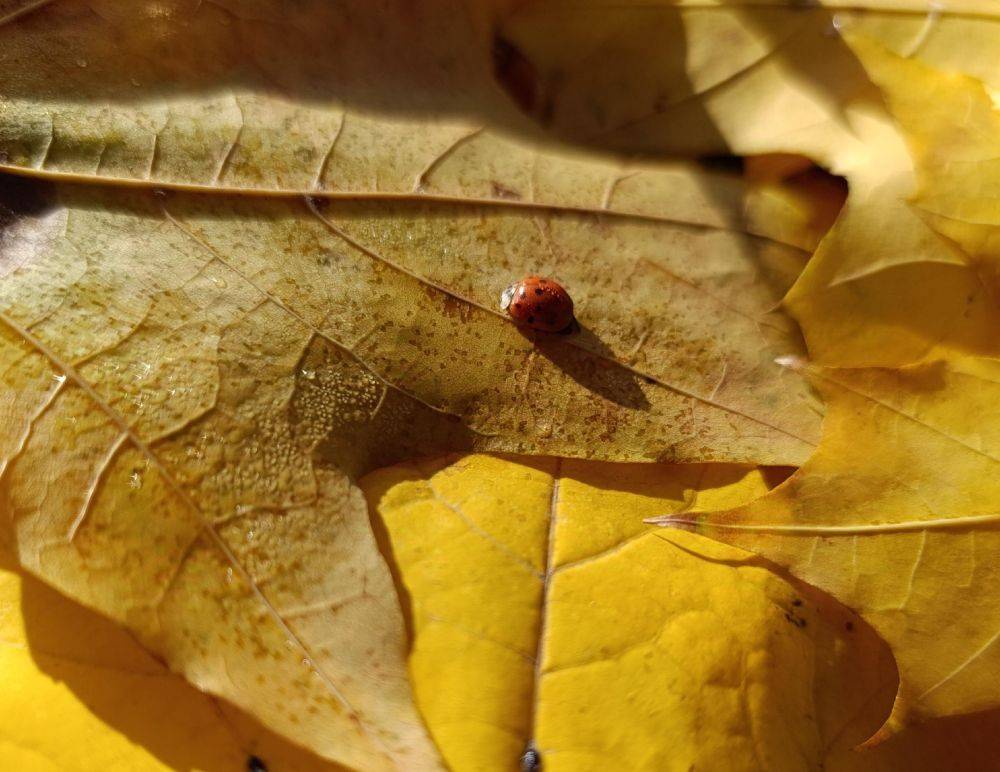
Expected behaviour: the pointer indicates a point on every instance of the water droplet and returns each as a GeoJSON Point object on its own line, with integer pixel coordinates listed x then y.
{"type": "Point", "coordinates": [81, 62]}
{"type": "Point", "coordinates": [250, 534]}
{"type": "Point", "coordinates": [308, 374]}
{"type": "Point", "coordinates": [135, 480]}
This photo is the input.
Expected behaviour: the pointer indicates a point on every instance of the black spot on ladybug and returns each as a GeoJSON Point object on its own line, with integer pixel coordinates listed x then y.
{"type": "Point", "coordinates": [254, 764]}
{"type": "Point", "coordinates": [797, 602]}
{"type": "Point", "coordinates": [531, 320]}
{"type": "Point", "coordinates": [539, 291]}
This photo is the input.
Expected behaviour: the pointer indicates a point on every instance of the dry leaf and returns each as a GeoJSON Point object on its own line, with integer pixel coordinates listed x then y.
{"type": "Point", "coordinates": [239, 388]}
{"type": "Point", "coordinates": [80, 694]}
{"type": "Point", "coordinates": [952, 37]}
{"type": "Point", "coordinates": [269, 96]}
{"type": "Point", "coordinates": [543, 608]}
{"type": "Point", "coordinates": [894, 516]}
{"type": "Point", "coordinates": [228, 363]}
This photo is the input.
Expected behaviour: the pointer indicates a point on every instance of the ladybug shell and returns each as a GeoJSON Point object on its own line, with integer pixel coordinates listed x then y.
{"type": "Point", "coordinates": [539, 303]}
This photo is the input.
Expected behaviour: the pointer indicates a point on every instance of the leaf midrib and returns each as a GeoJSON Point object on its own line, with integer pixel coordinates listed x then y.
{"type": "Point", "coordinates": [383, 196]}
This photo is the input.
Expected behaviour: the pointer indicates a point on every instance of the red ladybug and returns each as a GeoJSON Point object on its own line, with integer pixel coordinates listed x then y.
{"type": "Point", "coordinates": [539, 303]}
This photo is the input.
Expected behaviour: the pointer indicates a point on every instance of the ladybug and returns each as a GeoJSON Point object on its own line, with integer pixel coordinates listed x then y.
{"type": "Point", "coordinates": [539, 303]}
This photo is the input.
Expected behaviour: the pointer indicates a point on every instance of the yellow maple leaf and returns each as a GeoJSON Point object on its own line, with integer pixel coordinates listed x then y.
{"type": "Point", "coordinates": [894, 513]}
{"type": "Point", "coordinates": [546, 614]}
{"type": "Point", "coordinates": [894, 516]}
{"type": "Point", "coordinates": [81, 694]}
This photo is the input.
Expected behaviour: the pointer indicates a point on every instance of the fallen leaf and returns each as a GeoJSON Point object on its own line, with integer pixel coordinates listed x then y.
{"type": "Point", "coordinates": [952, 37]}
{"type": "Point", "coordinates": [112, 705]}
{"type": "Point", "coordinates": [895, 516]}
{"type": "Point", "coordinates": [955, 162]}
{"type": "Point", "coordinates": [545, 613]}
{"type": "Point", "coordinates": [319, 96]}
{"type": "Point", "coordinates": [894, 513]}
{"type": "Point", "coordinates": [236, 394]}
{"type": "Point", "coordinates": [913, 229]}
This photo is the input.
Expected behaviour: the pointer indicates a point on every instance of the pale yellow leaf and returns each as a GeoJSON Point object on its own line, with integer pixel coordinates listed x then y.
{"type": "Point", "coordinates": [895, 515]}
{"type": "Point", "coordinates": [546, 613]}
{"type": "Point", "coordinates": [81, 695]}
{"type": "Point", "coordinates": [909, 271]}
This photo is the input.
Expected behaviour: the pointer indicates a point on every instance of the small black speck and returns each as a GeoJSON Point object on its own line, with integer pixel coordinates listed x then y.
{"type": "Point", "coordinates": [849, 626]}
{"type": "Point", "coordinates": [797, 602]}
{"type": "Point", "coordinates": [517, 305]}
{"type": "Point", "coordinates": [539, 291]}
{"type": "Point", "coordinates": [254, 764]}
{"type": "Point", "coordinates": [531, 320]}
